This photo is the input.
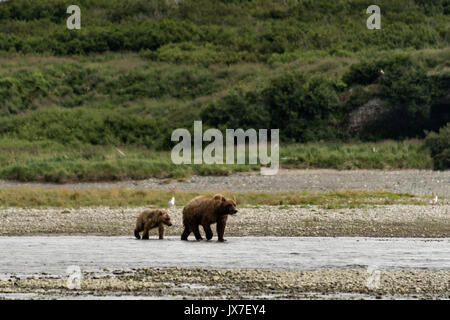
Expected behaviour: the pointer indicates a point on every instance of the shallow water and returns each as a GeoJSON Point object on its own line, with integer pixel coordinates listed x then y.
{"type": "Point", "coordinates": [24, 256]}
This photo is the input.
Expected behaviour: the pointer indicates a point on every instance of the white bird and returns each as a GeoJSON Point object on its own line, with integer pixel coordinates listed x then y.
{"type": "Point", "coordinates": [172, 202]}
{"type": "Point", "coordinates": [434, 200]}
{"type": "Point", "coordinates": [121, 152]}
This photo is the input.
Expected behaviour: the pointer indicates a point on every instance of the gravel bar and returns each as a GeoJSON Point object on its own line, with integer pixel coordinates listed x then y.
{"type": "Point", "coordinates": [184, 283]}
{"type": "Point", "coordinates": [417, 182]}
{"type": "Point", "coordinates": [431, 221]}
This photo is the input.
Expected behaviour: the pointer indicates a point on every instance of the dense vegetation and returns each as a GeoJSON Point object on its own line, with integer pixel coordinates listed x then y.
{"type": "Point", "coordinates": [139, 69]}
{"type": "Point", "coordinates": [239, 30]}
{"type": "Point", "coordinates": [439, 144]}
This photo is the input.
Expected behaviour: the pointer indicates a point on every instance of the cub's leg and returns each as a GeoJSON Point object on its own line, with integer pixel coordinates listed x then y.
{"type": "Point", "coordinates": [161, 231]}
{"type": "Point", "coordinates": [208, 231]}
{"type": "Point", "coordinates": [197, 233]}
{"type": "Point", "coordinates": [221, 224]}
{"type": "Point", "coordinates": [186, 233]}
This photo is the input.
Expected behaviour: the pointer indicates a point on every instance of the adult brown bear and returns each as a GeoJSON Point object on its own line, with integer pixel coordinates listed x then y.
{"type": "Point", "coordinates": [205, 211]}
{"type": "Point", "coordinates": [149, 219]}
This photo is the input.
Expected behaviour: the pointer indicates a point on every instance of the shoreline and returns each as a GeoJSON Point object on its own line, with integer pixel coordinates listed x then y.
{"type": "Point", "coordinates": [184, 283]}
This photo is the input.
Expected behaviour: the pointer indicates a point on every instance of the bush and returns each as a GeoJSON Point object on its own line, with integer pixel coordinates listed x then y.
{"type": "Point", "coordinates": [74, 84]}
{"type": "Point", "coordinates": [18, 93]}
{"type": "Point", "coordinates": [407, 89]}
{"type": "Point", "coordinates": [87, 126]}
{"type": "Point", "coordinates": [439, 145]}
{"type": "Point", "coordinates": [185, 82]}
{"type": "Point", "coordinates": [238, 109]}
{"type": "Point", "coordinates": [252, 32]}
{"type": "Point", "coordinates": [301, 106]}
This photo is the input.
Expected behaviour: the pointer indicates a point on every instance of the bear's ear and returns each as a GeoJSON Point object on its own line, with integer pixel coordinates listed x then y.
{"type": "Point", "coordinates": [219, 197]}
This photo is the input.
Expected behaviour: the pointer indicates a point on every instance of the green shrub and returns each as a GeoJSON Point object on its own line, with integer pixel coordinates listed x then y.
{"type": "Point", "coordinates": [439, 145]}
{"type": "Point", "coordinates": [18, 93]}
{"type": "Point", "coordinates": [74, 84]}
{"type": "Point", "coordinates": [406, 87]}
{"type": "Point", "coordinates": [301, 106]}
{"type": "Point", "coordinates": [249, 31]}
{"type": "Point", "coordinates": [82, 125]}
{"type": "Point", "coordinates": [186, 82]}
{"type": "Point", "coordinates": [238, 109]}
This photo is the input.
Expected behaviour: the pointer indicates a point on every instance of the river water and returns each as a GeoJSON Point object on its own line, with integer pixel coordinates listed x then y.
{"type": "Point", "coordinates": [52, 255]}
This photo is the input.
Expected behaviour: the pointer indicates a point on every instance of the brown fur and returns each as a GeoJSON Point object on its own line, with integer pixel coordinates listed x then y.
{"type": "Point", "coordinates": [149, 219]}
{"type": "Point", "coordinates": [205, 211]}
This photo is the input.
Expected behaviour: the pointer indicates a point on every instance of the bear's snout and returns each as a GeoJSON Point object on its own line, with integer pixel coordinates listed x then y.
{"type": "Point", "coordinates": [234, 211]}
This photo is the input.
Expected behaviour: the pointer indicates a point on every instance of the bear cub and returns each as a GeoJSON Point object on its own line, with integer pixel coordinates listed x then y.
{"type": "Point", "coordinates": [205, 211]}
{"type": "Point", "coordinates": [149, 219]}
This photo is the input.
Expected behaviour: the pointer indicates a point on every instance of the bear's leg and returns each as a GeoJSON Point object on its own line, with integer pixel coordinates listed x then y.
{"type": "Point", "coordinates": [197, 233]}
{"type": "Point", "coordinates": [208, 231]}
{"type": "Point", "coordinates": [139, 228]}
{"type": "Point", "coordinates": [221, 224]}
{"type": "Point", "coordinates": [161, 231]}
{"type": "Point", "coordinates": [186, 233]}
{"type": "Point", "coordinates": [146, 230]}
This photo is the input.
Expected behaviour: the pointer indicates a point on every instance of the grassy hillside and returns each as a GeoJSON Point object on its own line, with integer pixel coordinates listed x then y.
{"type": "Point", "coordinates": [224, 30]}
{"type": "Point", "coordinates": [139, 69]}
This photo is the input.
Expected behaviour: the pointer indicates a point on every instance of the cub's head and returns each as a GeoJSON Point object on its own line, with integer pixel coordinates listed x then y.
{"type": "Point", "coordinates": [227, 206]}
{"type": "Point", "coordinates": [165, 218]}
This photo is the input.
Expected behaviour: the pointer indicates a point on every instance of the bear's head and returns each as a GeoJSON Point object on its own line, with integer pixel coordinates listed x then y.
{"type": "Point", "coordinates": [226, 206]}
{"type": "Point", "coordinates": [165, 218]}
